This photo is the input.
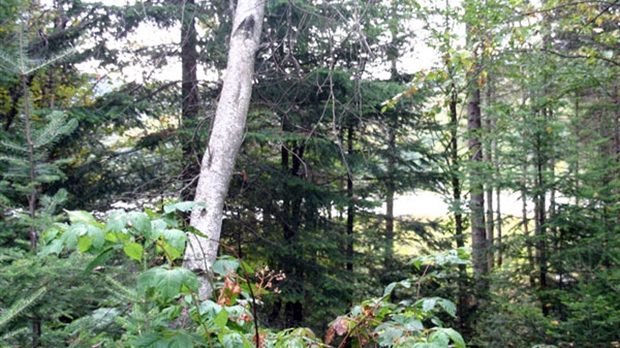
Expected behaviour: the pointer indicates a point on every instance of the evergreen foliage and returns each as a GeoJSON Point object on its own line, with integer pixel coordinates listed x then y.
{"type": "Point", "coordinates": [342, 123]}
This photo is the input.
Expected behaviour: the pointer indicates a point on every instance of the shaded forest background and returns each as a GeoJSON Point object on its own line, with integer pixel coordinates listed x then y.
{"type": "Point", "coordinates": [523, 100]}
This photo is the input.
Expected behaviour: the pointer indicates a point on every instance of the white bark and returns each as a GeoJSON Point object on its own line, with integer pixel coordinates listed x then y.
{"type": "Point", "coordinates": [226, 138]}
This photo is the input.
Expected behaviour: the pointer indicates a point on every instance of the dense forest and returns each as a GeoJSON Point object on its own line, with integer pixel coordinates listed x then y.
{"type": "Point", "coordinates": [141, 138]}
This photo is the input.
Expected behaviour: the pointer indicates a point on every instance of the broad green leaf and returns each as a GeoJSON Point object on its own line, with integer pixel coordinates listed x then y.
{"type": "Point", "coordinates": [55, 247]}
{"type": "Point", "coordinates": [455, 337]}
{"type": "Point", "coordinates": [221, 319]}
{"type": "Point", "coordinates": [84, 243]}
{"type": "Point", "coordinates": [176, 238]}
{"type": "Point", "coordinates": [439, 337]}
{"type": "Point", "coordinates": [102, 258]}
{"type": "Point", "coordinates": [182, 206]}
{"type": "Point", "coordinates": [224, 265]}
{"type": "Point", "coordinates": [209, 309]}
{"type": "Point", "coordinates": [388, 335]}
{"type": "Point", "coordinates": [388, 289]}
{"type": "Point", "coordinates": [140, 222]}
{"type": "Point", "coordinates": [71, 235]}
{"type": "Point", "coordinates": [50, 234]}
{"type": "Point", "coordinates": [134, 250]}
{"type": "Point", "coordinates": [190, 280]}
{"type": "Point", "coordinates": [117, 221]}
{"type": "Point", "coordinates": [97, 236]}
{"type": "Point", "coordinates": [111, 237]}
{"type": "Point", "coordinates": [230, 339]}
{"type": "Point", "coordinates": [77, 216]}
{"type": "Point", "coordinates": [428, 304]}
{"type": "Point", "coordinates": [171, 252]}
{"type": "Point", "coordinates": [158, 226]}
{"type": "Point", "coordinates": [165, 282]}
{"type": "Point", "coordinates": [447, 306]}
{"type": "Point", "coordinates": [414, 325]}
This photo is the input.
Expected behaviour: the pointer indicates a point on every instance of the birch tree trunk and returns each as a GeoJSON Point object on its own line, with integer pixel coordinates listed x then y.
{"type": "Point", "coordinates": [225, 140]}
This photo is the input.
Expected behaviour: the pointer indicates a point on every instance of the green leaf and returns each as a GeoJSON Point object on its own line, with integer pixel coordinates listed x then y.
{"type": "Point", "coordinates": [71, 235]}
{"type": "Point", "coordinates": [209, 309]}
{"type": "Point", "coordinates": [97, 236]}
{"type": "Point", "coordinates": [190, 280]}
{"type": "Point", "coordinates": [447, 306]}
{"type": "Point", "coordinates": [221, 319]}
{"type": "Point", "coordinates": [102, 258]}
{"type": "Point", "coordinates": [76, 216]}
{"type": "Point", "coordinates": [388, 335]}
{"type": "Point", "coordinates": [166, 282]}
{"type": "Point", "coordinates": [55, 247]}
{"type": "Point", "coordinates": [140, 222]}
{"type": "Point", "coordinates": [456, 337]}
{"type": "Point", "coordinates": [428, 304]}
{"type": "Point", "coordinates": [176, 238]}
{"type": "Point", "coordinates": [182, 206]}
{"type": "Point", "coordinates": [134, 250]}
{"type": "Point", "coordinates": [117, 221]}
{"type": "Point", "coordinates": [224, 265]}
{"type": "Point", "coordinates": [230, 339]}
{"type": "Point", "coordinates": [388, 289]}
{"type": "Point", "coordinates": [84, 243]}
{"type": "Point", "coordinates": [439, 337]}
{"type": "Point", "coordinates": [50, 234]}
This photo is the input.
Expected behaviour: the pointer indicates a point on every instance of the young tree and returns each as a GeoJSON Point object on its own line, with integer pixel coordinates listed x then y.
{"type": "Point", "coordinates": [226, 138]}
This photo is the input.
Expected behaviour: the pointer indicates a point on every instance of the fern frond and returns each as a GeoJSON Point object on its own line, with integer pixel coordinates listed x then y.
{"type": "Point", "coordinates": [122, 291]}
{"type": "Point", "coordinates": [20, 306]}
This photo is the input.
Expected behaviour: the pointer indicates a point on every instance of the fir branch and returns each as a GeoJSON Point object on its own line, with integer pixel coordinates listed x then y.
{"type": "Point", "coordinates": [13, 333]}
{"type": "Point", "coordinates": [57, 127]}
{"type": "Point", "coordinates": [21, 305]}
{"type": "Point", "coordinates": [122, 291]}
{"type": "Point", "coordinates": [9, 145]}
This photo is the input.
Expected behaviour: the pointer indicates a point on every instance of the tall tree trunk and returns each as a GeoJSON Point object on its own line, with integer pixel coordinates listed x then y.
{"type": "Point", "coordinates": [476, 201]}
{"type": "Point", "coordinates": [190, 102]}
{"type": "Point", "coordinates": [389, 199]}
{"type": "Point", "coordinates": [457, 198]}
{"type": "Point", "coordinates": [351, 205]}
{"type": "Point", "coordinates": [539, 221]}
{"type": "Point", "coordinates": [498, 224]}
{"type": "Point", "coordinates": [474, 129]}
{"type": "Point", "coordinates": [225, 140]}
{"type": "Point", "coordinates": [488, 158]}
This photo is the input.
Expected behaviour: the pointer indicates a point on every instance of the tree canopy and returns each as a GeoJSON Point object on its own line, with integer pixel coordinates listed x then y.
{"type": "Point", "coordinates": [281, 135]}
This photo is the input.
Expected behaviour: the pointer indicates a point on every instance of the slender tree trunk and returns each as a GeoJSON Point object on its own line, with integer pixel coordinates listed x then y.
{"type": "Point", "coordinates": [455, 180]}
{"type": "Point", "coordinates": [389, 199]}
{"type": "Point", "coordinates": [351, 205]}
{"type": "Point", "coordinates": [476, 201]}
{"type": "Point", "coordinates": [190, 102]}
{"type": "Point", "coordinates": [498, 225]}
{"type": "Point", "coordinates": [488, 158]}
{"type": "Point", "coordinates": [476, 196]}
{"type": "Point", "coordinates": [226, 138]}
{"type": "Point", "coordinates": [32, 196]}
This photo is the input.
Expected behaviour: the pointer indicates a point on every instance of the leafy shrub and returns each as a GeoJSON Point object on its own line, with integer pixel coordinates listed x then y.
{"type": "Point", "coordinates": [162, 309]}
